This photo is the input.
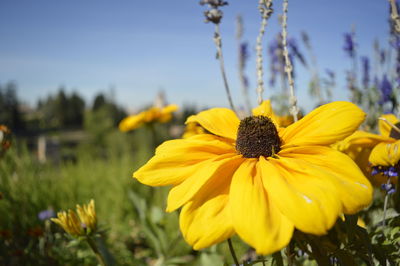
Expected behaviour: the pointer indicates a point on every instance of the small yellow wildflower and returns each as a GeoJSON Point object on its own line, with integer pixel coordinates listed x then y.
{"type": "Point", "coordinates": [153, 114]}
{"type": "Point", "coordinates": [81, 224]}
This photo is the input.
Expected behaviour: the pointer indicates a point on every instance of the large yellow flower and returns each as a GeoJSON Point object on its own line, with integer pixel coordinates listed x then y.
{"type": "Point", "coordinates": [258, 180]}
{"type": "Point", "coordinates": [153, 114]}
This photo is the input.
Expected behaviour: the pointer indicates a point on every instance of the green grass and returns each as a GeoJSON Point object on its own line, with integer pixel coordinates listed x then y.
{"type": "Point", "coordinates": [136, 228]}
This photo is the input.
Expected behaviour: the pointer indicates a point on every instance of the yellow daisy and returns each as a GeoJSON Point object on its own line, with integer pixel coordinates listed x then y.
{"type": "Point", "coordinates": [82, 224]}
{"type": "Point", "coordinates": [153, 114]}
{"type": "Point", "coordinates": [253, 178]}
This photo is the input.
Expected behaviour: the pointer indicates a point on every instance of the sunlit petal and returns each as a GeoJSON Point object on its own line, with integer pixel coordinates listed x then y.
{"type": "Point", "coordinates": [175, 160]}
{"type": "Point", "coordinates": [325, 125]}
{"type": "Point", "coordinates": [256, 218]}
{"type": "Point", "coordinates": [219, 121]}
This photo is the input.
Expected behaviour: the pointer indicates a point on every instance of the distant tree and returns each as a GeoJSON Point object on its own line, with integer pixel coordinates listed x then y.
{"type": "Point", "coordinates": [109, 107]}
{"type": "Point", "coordinates": [10, 114]}
{"type": "Point", "coordinates": [99, 101]}
{"type": "Point", "coordinates": [62, 111]}
{"type": "Point", "coordinates": [76, 107]}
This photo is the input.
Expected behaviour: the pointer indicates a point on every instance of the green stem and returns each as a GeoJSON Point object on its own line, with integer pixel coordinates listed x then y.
{"type": "Point", "coordinates": [385, 205]}
{"type": "Point", "coordinates": [96, 251]}
{"type": "Point", "coordinates": [278, 258]}
{"type": "Point", "coordinates": [233, 252]}
{"type": "Point", "coordinates": [290, 253]}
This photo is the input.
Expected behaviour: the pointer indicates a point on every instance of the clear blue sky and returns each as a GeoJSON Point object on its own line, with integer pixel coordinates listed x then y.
{"type": "Point", "coordinates": [139, 47]}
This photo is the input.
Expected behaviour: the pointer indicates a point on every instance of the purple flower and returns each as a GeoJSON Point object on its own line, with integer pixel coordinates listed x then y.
{"type": "Point", "coordinates": [386, 90]}
{"type": "Point", "coordinates": [382, 57]}
{"type": "Point", "coordinates": [365, 71]}
{"type": "Point", "coordinates": [294, 49]}
{"type": "Point", "coordinates": [46, 214]}
{"type": "Point", "coordinates": [349, 44]}
{"type": "Point", "coordinates": [244, 53]}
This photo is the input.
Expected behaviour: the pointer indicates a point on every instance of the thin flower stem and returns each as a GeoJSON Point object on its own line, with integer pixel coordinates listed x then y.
{"type": "Point", "coordinates": [288, 65]}
{"type": "Point", "coordinates": [290, 253]}
{"type": "Point", "coordinates": [390, 124]}
{"type": "Point", "coordinates": [233, 252]}
{"type": "Point", "coordinates": [278, 258]}
{"type": "Point", "coordinates": [395, 15]}
{"type": "Point", "coordinates": [96, 251]}
{"type": "Point", "coordinates": [385, 209]}
{"type": "Point", "coordinates": [385, 205]}
{"type": "Point", "coordinates": [265, 7]}
{"type": "Point", "coordinates": [218, 44]}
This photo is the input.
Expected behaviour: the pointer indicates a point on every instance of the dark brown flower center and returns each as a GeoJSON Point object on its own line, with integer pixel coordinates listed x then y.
{"type": "Point", "coordinates": [394, 133]}
{"type": "Point", "coordinates": [257, 136]}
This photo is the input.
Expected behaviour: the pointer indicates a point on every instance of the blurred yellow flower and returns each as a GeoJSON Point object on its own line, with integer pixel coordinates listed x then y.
{"type": "Point", "coordinates": [387, 153]}
{"type": "Point", "coordinates": [153, 114]}
{"type": "Point", "coordinates": [359, 146]}
{"type": "Point", "coordinates": [84, 225]}
{"type": "Point", "coordinates": [256, 179]}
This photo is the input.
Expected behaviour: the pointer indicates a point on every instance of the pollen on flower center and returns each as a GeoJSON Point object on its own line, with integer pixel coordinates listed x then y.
{"type": "Point", "coordinates": [257, 136]}
{"type": "Point", "coordinates": [394, 133]}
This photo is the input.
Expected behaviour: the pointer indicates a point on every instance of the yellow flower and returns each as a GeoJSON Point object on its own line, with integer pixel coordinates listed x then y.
{"type": "Point", "coordinates": [387, 153]}
{"type": "Point", "coordinates": [153, 114]}
{"type": "Point", "coordinates": [87, 215]}
{"type": "Point", "coordinates": [84, 225]}
{"type": "Point", "coordinates": [258, 180]}
{"type": "Point", "coordinates": [359, 146]}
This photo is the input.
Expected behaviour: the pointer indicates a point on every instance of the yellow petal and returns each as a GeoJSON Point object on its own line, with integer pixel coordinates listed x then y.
{"type": "Point", "coordinates": [131, 122]}
{"type": "Point", "coordinates": [255, 217]}
{"type": "Point", "coordinates": [361, 139]}
{"type": "Point", "coordinates": [385, 128]}
{"type": "Point", "coordinates": [325, 125]}
{"type": "Point", "coordinates": [264, 109]}
{"type": "Point", "coordinates": [385, 154]}
{"type": "Point", "coordinates": [219, 121]}
{"type": "Point", "coordinates": [176, 160]}
{"type": "Point", "coordinates": [221, 167]}
{"type": "Point", "coordinates": [206, 220]}
{"type": "Point", "coordinates": [309, 202]}
{"type": "Point", "coordinates": [353, 189]}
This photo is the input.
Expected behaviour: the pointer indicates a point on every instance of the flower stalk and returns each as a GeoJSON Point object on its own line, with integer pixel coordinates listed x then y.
{"type": "Point", "coordinates": [265, 7]}
{"type": "Point", "coordinates": [395, 15]}
{"type": "Point", "coordinates": [96, 251]}
{"type": "Point", "coordinates": [288, 65]}
{"type": "Point", "coordinates": [220, 57]}
{"type": "Point", "coordinates": [232, 250]}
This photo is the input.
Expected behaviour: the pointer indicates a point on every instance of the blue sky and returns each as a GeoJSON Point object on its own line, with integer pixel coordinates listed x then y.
{"type": "Point", "coordinates": [140, 47]}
